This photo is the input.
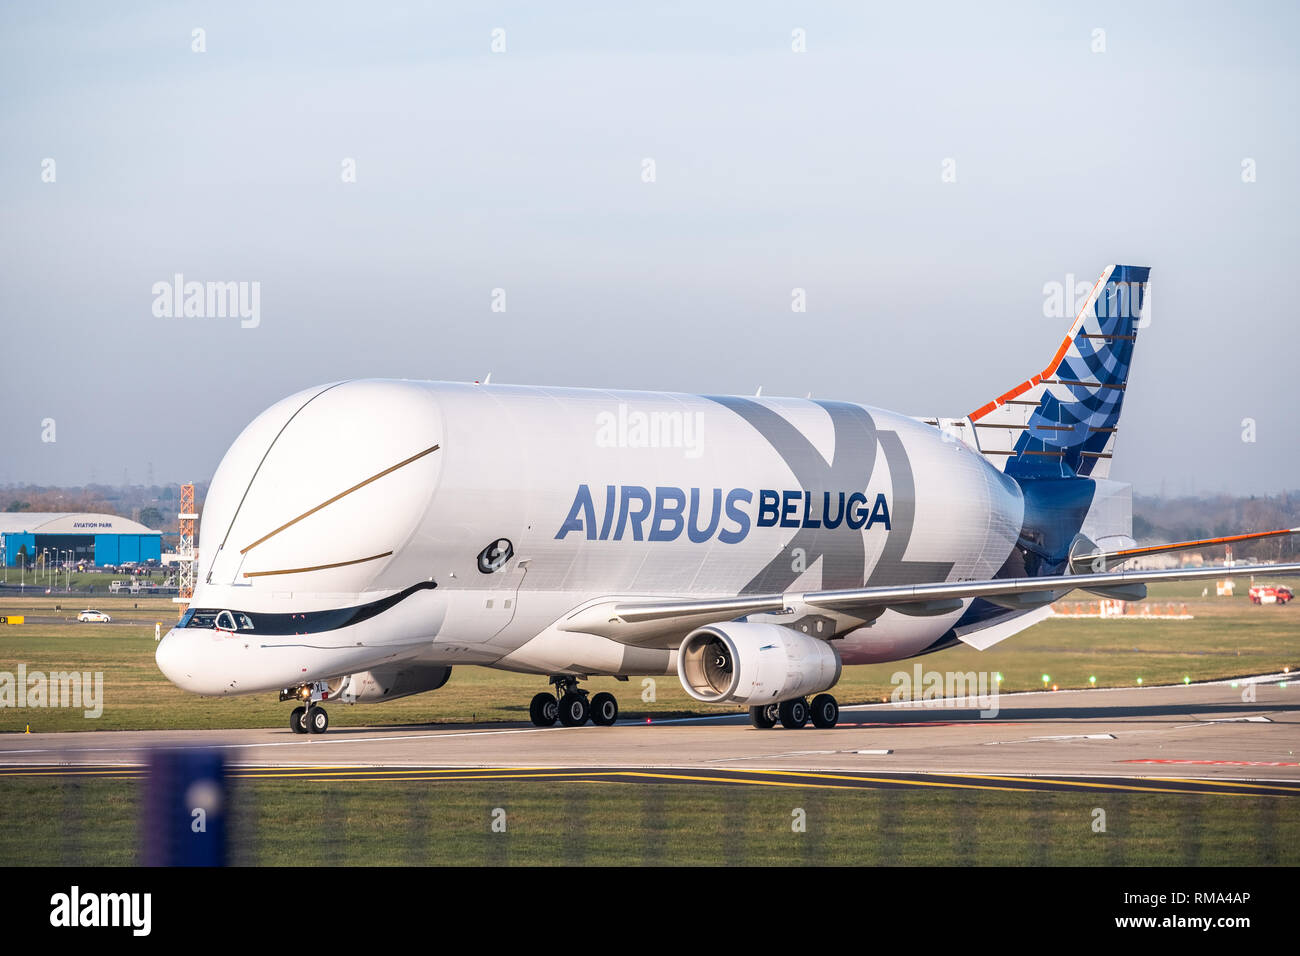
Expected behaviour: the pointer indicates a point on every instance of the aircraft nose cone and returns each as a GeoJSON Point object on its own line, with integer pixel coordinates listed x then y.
{"type": "Point", "coordinates": [172, 659]}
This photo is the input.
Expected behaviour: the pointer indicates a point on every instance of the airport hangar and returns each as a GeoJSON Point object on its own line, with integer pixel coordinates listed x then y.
{"type": "Point", "coordinates": [93, 538]}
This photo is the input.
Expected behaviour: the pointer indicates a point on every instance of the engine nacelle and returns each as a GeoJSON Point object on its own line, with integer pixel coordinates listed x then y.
{"type": "Point", "coordinates": [390, 681]}
{"type": "Point", "coordinates": [740, 662]}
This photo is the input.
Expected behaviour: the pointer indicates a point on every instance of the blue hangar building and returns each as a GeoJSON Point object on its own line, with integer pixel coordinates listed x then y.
{"type": "Point", "coordinates": [93, 538]}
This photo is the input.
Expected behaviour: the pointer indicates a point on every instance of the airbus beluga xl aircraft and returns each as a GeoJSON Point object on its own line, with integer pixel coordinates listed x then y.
{"type": "Point", "coordinates": [360, 539]}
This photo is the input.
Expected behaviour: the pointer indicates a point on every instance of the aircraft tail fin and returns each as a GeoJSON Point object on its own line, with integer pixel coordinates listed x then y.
{"type": "Point", "coordinates": [1062, 422]}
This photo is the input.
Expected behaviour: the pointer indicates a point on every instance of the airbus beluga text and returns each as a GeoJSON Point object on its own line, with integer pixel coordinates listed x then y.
{"type": "Point", "coordinates": [362, 538]}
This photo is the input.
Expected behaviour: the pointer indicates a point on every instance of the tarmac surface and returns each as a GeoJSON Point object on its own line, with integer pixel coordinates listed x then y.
{"type": "Point", "coordinates": [1231, 737]}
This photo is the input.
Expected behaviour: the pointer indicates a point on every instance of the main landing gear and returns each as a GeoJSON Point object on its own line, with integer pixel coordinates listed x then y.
{"type": "Point", "coordinates": [572, 709]}
{"type": "Point", "coordinates": [824, 712]}
{"type": "Point", "coordinates": [310, 718]}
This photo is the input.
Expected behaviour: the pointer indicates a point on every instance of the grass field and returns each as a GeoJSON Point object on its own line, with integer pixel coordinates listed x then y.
{"type": "Point", "coordinates": [96, 821]}
{"type": "Point", "coordinates": [1228, 637]}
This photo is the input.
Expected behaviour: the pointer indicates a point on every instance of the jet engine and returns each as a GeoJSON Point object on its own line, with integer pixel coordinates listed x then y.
{"type": "Point", "coordinates": [750, 663]}
{"type": "Point", "coordinates": [389, 682]}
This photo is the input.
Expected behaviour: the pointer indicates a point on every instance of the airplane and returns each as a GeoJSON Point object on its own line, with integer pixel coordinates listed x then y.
{"type": "Point", "coordinates": [362, 538]}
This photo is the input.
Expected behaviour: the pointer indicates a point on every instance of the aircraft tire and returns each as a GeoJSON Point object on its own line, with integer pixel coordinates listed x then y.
{"type": "Point", "coordinates": [825, 711]}
{"type": "Point", "coordinates": [793, 713]}
{"type": "Point", "coordinates": [604, 709]}
{"type": "Point", "coordinates": [574, 710]}
{"type": "Point", "coordinates": [317, 720]}
{"type": "Point", "coordinates": [544, 710]}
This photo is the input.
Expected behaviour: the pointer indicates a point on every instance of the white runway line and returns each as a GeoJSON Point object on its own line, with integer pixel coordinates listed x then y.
{"type": "Point", "coordinates": [1031, 740]}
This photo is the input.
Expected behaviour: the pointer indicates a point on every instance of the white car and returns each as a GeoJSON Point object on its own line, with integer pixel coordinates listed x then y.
{"type": "Point", "coordinates": [93, 617]}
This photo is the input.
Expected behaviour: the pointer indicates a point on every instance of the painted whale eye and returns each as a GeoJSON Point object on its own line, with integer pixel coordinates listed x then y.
{"type": "Point", "coordinates": [495, 555]}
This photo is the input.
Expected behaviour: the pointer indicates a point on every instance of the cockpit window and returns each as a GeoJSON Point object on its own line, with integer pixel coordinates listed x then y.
{"type": "Point", "coordinates": [272, 624]}
{"type": "Point", "coordinates": [199, 618]}
{"type": "Point", "coordinates": [225, 620]}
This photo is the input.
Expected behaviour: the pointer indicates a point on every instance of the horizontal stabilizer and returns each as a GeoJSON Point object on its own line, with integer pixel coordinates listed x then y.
{"type": "Point", "coordinates": [1084, 557]}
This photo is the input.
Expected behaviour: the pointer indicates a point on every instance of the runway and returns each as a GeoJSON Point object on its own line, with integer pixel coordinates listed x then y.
{"type": "Point", "coordinates": [1200, 738]}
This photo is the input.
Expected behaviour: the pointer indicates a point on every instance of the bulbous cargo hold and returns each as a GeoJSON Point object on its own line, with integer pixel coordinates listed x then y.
{"type": "Point", "coordinates": [455, 523]}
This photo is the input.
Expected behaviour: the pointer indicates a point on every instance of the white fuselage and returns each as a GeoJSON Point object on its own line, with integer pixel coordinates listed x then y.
{"type": "Point", "coordinates": [344, 496]}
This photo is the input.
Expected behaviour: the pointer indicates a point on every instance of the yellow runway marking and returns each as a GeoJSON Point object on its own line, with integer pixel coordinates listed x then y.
{"type": "Point", "coordinates": [416, 774]}
{"type": "Point", "coordinates": [241, 767]}
{"type": "Point", "coordinates": [956, 777]}
{"type": "Point", "coordinates": [335, 773]}
{"type": "Point", "coordinates": [68, 772]}
{"type": "Point", "coordinates": [759, 783]}
{"type": "Point", "coordinates": [900, 781]}
{"type": "Point", "coordinates": [380, 773]}
{"type": "Point", "coordinates": [507, 774]}
{"type": "Point", "coordinates": [1275, 785]}
{"type": "Point", "coordinates": [1087, 784]}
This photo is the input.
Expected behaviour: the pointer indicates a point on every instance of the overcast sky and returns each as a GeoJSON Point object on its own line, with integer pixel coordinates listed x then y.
{"type": "Point", "coordinates": [523, 171]}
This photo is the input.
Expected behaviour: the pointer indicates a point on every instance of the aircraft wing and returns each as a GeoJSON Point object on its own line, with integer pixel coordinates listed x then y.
{"type": "Point", "coordinates": [665, 622]}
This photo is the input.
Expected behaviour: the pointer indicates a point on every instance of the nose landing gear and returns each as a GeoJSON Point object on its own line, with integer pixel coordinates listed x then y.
{"type": "Point", "coordinates": [572, 709]}
{"type": "Point", "coordinates": [310, 718]}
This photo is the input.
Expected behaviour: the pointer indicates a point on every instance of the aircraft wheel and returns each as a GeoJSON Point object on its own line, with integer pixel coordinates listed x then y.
{"type": "Point", "coordinates": [764, 717]}
{"type": "Point", "coordinates": [544, 710]}
{"type": "Point", "coordinates": [317, 720]}
{"type": "Point", "coordinates": [574, 710]}
{"type": "Point", "coordinates": [298, 720]}
{"type": "Point", "coordinates": [793, 713]}
{"type": "Point", "coordinates": [604, 710]}
{"type": "Point", "coordinates": [825, 711]}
